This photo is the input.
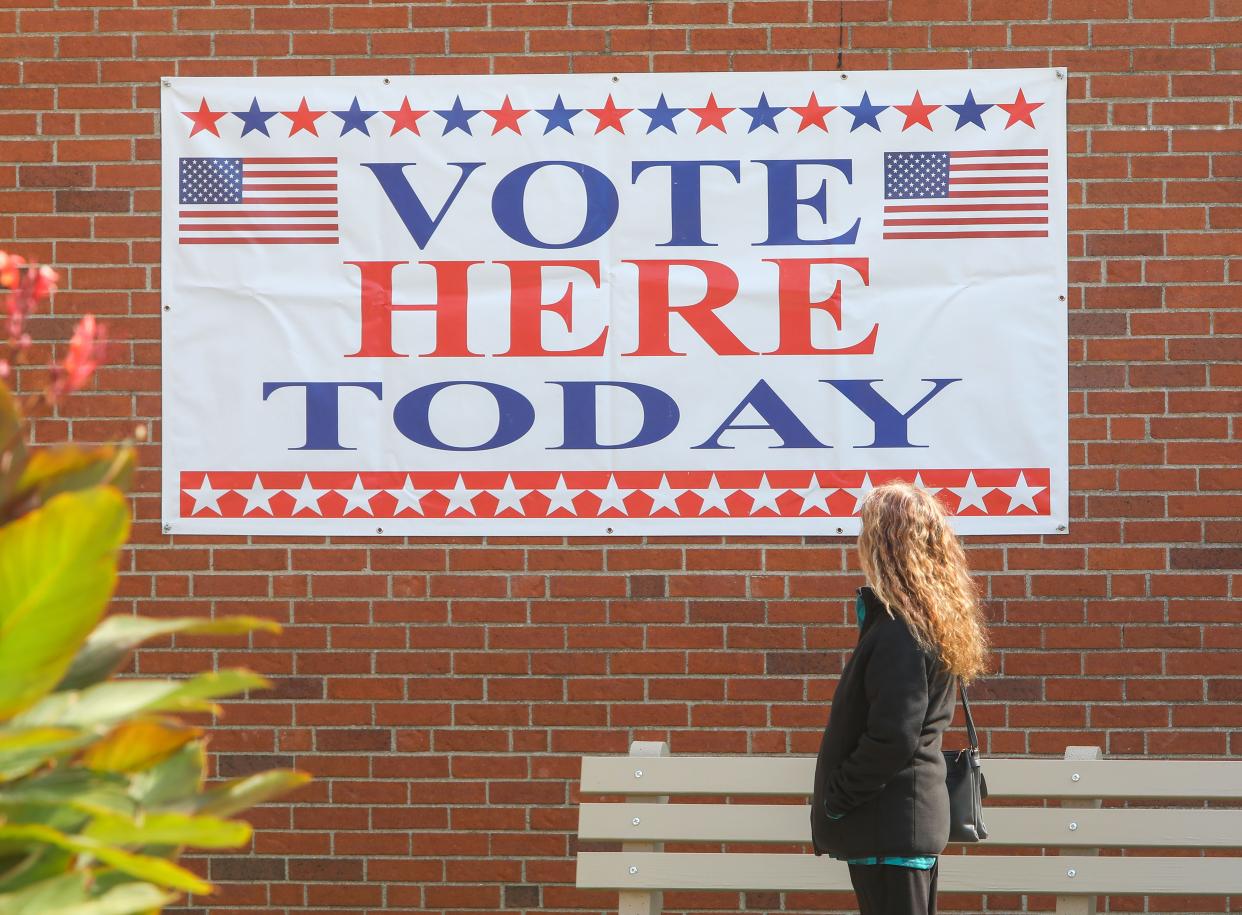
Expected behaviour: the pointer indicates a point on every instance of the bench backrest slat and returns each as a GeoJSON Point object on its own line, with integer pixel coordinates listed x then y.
{"type": "Point", "coordinates": [1042, 826]}
{"type": "Point", "coordinates": [771, 776]}
{"type": "Point", "coordinates": [1072, 874]}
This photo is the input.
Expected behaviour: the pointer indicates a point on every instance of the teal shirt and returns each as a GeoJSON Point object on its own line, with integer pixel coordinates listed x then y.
{"type": "Point", "coordinates": [924, 862]}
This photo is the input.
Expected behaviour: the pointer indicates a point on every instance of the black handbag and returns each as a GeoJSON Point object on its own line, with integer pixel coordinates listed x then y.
{"type": "Point", "coordinates": [966, 784]}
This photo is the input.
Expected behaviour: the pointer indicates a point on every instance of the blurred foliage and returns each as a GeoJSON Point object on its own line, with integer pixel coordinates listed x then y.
{"type": "Point", "coordinates": [101, 784]}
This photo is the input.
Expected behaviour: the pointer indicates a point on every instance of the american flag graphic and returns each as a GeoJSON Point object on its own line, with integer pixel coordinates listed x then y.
{"type": "Point", "coordinates": [258, 201]}
{"type": "Point", "coordinates": [983, 193]}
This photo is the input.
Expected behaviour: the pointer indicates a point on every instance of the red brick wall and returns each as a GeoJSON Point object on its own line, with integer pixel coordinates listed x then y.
{"type": "Point", "coordinates": [442, 692]}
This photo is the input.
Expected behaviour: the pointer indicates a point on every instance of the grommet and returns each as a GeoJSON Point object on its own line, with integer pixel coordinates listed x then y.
{"type": "Point", "coordinates": [1071, 873]}
{"type": "Point", "coordinates": [633, 869]}
{"type": "Point", "coordinates": [1075, 777]}
{"type": "Point", "coordinates": [635, 821]}
{"type": "Point", "coordinates": [1073, 827]}
{"type": "Point", "coordinates": [638, 773]}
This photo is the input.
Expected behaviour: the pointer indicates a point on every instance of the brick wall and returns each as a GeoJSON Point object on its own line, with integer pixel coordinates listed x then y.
{"type": "Point", "coordinates": [442, 692]}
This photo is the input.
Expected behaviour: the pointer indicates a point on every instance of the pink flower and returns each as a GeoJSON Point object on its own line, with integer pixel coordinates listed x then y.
{"type": "Point", "coordinates": [10, 265]}
{"type": "Point", "coordinates": [26, 284]}
{"type": "Point", "coordinates": [86, 353]}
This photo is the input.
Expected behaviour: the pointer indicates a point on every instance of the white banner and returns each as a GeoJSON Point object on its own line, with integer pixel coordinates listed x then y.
{"type": "Point", "coordinates": [709, 303]}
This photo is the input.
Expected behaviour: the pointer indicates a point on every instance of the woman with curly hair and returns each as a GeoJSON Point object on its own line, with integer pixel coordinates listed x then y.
{"type": "Point", "coordinates": [879, 800]}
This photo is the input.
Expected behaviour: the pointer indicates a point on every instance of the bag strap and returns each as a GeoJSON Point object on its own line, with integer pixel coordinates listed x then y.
{"type": "Point", "coordinates": [970, 721]}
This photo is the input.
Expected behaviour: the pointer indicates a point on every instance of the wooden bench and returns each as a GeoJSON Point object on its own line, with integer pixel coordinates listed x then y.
{"type": "Point", "coordinates": [1020, 856]}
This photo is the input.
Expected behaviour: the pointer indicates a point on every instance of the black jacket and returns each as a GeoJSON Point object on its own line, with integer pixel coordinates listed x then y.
{"type": "Point", "coordinates": [880, 765]}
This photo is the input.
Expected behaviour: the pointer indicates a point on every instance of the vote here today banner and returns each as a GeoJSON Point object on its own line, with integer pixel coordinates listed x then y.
{"type": "Point", "coordinates": [708, 303]}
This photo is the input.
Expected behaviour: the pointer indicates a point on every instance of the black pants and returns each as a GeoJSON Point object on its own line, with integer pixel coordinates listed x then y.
{"type": "Point", "coordinates": [889, 889]}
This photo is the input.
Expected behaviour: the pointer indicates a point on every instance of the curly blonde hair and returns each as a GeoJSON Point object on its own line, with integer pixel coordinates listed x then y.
{"type": "Point", "coordinates": [915, 564]}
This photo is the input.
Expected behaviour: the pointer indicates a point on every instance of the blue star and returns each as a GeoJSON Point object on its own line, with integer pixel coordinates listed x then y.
{"type": "Point", "coordinates": [864, 113]}
{"type": "Point", "coordinates": [662, 115]}
{"type": "Point", "coordinates": [763, 114]}
{"type": "Point", "coordinates": [457, 117]}
{"type": "Point", "coordinates": [254, 119]}
{"type": "Point", "coordinates": [969, 112]}
{"type": "Point", "coordinates": [354, 119]}
{"type": "Point", "coordinates": [559, 116]}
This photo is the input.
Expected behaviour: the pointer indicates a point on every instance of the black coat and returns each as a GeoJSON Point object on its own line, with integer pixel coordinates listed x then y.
{"type": "Point", "coordinates": [880, 765]}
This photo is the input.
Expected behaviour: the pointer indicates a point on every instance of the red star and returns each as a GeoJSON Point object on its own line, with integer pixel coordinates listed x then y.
{"type": "Point", "coordinates": [303, 119]}
{"type": "Point", "coordinates": [711, 115]}
{"type": "Point", "coordinates": [404, 118]}
{"type": "Point", "coordinates": [916, 113]}
{"type": "Point", "coordinates": [506, 116]}
{"type": "Point", "coordinates": [812, 114]}
{"type": "Point", "coordinates": [610, 116]}
{"type": "Point", "coordinates": [1020, 110]}
{"type": "Point", "coordinates": [204, 118]}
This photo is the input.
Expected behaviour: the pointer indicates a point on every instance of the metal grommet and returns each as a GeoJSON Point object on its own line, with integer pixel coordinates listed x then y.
{"type": "Point", "coordinates": [1071, 873]}
{"type": "Point", "coordinates": [1075, 777]}
{"type": "Point", "coordinates": [1073, 827]}
{"type": "Point", "coordinates": [638, 773]}
{"type": "Point", "coordinates": [635, 821]}
{"type": "Point", "coordinates": [633, 869]}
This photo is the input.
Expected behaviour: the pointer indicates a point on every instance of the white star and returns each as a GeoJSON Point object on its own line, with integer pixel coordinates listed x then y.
{"type": "Point", "coordinates": [306, 496]}
{"type": "Point", "coordinates": [459, 497]}
{"type": "Point", "coordinates": [1022, 493]}
{"type": "Point", "coordinates": [970, 494]}
{"type": "Point", "coordinates": [408, 497]}
{"type": "Point", "coordinates": [205, 497]}
{"type": "Point", "coordinates": [764, 496]}
{"type": "Point", "coordinates": [612, 496]}
{"type": "Point", "coordinates": [509, 497]}
{"type": "Point", "coordinates": [357, 496]}
{"type": "Point", "coordinates": [918, 482]}
{"type": "Point", "coordinates": [713, 496]}
{"type": "Point", "coordinates": [561, 497]}
{"type": "Point", "coordinates": [664, 496]}
{"type": "Point", "coordinates": [860, 492]}
{"type": "Point", "coordinates": [257, 497]}
{"type": "Point", "coordinates": [815, 496]}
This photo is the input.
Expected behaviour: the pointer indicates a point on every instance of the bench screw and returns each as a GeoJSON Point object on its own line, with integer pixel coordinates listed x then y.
{"type": "Point", "coordinates": [638, 773]}
{"type": "Point", "coordinates": [635, 821]}
{"type": "Point", "coordinates": [1071, 873]}
{"type": "Point", "coordinates": [1075, 777]}
{"type": "Point", "coordinates": [633, 869]}
{"type": "Point", "coordinates": [1073, 827]}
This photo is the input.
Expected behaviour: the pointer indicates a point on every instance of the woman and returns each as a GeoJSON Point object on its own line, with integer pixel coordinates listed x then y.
{"type": "Point", "coordinates": [879, 800]}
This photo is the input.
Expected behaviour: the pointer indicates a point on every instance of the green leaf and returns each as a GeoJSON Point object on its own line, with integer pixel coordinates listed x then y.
{"type": "Point", "coordinates": [174, 783]}
{"type": "Point", "coordinates": [57, 572]}
{"type": "Point", "coordinates": [12, 444]}
{"type": "Point", "coordinates": [22, 750]}
{"type": "Point", "coordinates": [243, 793]}
{"type": "Point", "coordinates": [170, 829]}
{"type": "Point", "coordinates": [127, 899]}
{"type": "Point", "coordinates": [73, 788]}
{"type": "Point", "coordinates": [70, 894]}
{"type": "Point", "coordinates": [68, 468]}
{"type": "Point", "coordinates": [110, 702]}
{"type": "Point", "coordinates": [139, 744]}
{"type": "Point", "coordinates": [53, 894]}
{"type": "Point", "coordinates": [110, 644]}
{"type": "Point", "coordinates": [144, 867]}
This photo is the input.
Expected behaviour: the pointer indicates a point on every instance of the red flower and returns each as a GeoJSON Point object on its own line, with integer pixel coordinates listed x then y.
{"type": "Point", "coordinates": [86, 353]}
{"type": "Point", "coordinates": [26, 284]}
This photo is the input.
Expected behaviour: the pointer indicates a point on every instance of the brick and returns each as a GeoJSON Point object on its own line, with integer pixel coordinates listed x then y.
{"type": "Point", "coordinates": [442, 691]}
